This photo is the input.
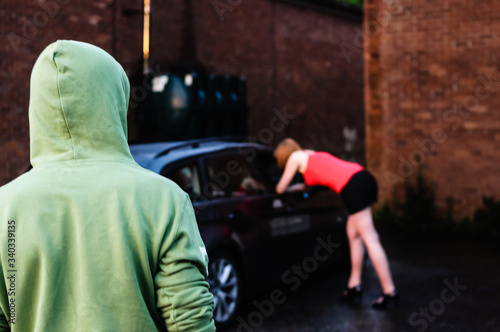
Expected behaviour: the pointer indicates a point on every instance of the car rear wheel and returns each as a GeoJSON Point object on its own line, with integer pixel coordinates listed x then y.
{"type": "Point", "coordinates": [224, 277]}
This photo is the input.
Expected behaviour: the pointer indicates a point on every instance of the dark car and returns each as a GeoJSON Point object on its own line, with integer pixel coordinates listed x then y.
{"type": "Point", "coordinates": [253, 236]}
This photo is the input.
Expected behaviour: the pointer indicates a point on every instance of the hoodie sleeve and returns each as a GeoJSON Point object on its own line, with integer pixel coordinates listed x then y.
{"type": "Point", "coordinates": [183, 296]}
{"type": "Point", "coordinates": [4, 325]}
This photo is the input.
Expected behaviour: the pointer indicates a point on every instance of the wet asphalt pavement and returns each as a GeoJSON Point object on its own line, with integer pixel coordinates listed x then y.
{"type": "Point", "coordinates": [444, 285]}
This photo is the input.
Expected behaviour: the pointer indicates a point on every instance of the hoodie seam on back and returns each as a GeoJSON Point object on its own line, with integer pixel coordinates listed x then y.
{"type": "Point", "coordinates": [62, 107]}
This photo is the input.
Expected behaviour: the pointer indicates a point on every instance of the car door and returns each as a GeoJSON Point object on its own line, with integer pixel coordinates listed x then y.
{"type": "Point", "coordinates": [245, 205]}
{"type": "Point", "coordinates": [187, 175]}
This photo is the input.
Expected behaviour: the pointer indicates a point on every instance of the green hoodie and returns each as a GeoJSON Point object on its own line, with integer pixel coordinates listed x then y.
{"type": "Point", "coordinates": [89, 240]}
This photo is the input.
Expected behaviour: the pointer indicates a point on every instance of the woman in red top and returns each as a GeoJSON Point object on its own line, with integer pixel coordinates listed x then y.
{"type": "Point", "coordinates": [358, 190]}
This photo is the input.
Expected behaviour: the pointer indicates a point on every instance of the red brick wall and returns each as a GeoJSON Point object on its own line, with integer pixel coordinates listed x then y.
{"type": "Point", "coordinates": [431, 101]}
{"type": "Point", "coordinates": [318, 82]}
{"type": "Point", "coordinates": [27, 28]}
{"type": "Point", "coordinates": [291, 56]}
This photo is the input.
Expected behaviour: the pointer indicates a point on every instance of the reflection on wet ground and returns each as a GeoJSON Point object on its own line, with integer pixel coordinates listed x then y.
{"type": "Point", "coordinates": [445, 285]}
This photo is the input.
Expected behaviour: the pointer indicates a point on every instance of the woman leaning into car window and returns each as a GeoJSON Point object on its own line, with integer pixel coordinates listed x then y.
{"type": "Point", "coordinates": [358, 190]}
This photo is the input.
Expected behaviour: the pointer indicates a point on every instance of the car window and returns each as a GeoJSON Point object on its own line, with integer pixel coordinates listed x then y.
{"type": "Point", "coordinates": [186, 177]}
{"type": "Point", "coordinates": [271, 174]}
{"type": "Point", "coordinates": [231, 175]}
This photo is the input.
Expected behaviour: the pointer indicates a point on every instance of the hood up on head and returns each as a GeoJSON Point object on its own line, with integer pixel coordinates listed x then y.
{"type": "Point", "coordinates": [78, 105]}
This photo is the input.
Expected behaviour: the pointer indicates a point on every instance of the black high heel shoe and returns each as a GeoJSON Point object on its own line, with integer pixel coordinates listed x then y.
{"type": "Point", "coordinates": [383, 302]}
{"type": "Point", "coordinates": [351, 295]}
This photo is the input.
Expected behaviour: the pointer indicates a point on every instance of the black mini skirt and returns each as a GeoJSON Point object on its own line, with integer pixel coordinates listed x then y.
{"type": "Point", "coordinates": [359, 192]}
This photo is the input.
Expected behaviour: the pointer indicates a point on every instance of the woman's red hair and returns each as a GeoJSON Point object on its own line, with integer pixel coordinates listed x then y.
{"type": "Point", "coordinates": [283, 151]}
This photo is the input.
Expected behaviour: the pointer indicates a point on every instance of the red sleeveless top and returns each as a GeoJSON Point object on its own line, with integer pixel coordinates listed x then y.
{"type": "Point", "coordinates": [326, 170]}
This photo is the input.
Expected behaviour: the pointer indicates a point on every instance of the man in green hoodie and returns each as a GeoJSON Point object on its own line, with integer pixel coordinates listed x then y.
{"type": "Point", "coordinates": [89, 240]}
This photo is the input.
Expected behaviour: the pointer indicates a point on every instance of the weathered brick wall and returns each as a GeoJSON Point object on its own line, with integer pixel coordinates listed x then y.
{"type": "Point", "coordinates": [317, 81]}
{"type": "Point", "coordinates": [290, 55]}
{"type": "Point", "coordinates": [431, 98]}
{"type": "Point", "coordinates": [27, 28]}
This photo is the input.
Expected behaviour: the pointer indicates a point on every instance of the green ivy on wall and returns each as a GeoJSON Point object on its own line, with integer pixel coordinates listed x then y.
{"type": "Point", "coordinates": [353, 2]}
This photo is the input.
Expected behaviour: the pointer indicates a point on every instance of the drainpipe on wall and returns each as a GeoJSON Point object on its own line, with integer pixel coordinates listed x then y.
{"type": "Point", "coordinates": [145, 38]}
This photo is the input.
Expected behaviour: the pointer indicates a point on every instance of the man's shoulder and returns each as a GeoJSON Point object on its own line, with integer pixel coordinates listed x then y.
{"type": "Point", "coordinates": [12, 187]}
{"type": "Point", "coordinates": [145, 175]}
{"type": "Point", "coordinates": [153, 181]}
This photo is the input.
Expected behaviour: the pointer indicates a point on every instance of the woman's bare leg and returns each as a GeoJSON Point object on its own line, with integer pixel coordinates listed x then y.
{"type": "Point", "coordinates": [363, 224]}
{"type": "Point", "coordinates": [357, 253]}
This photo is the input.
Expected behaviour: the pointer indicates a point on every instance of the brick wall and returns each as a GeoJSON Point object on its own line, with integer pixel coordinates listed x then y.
{"type": "Point", "coordinates": [432, 104]}
{"type": "Point", "coordinates": [290, 55]}
{"type": "Point", "coordinates": [27, 28]}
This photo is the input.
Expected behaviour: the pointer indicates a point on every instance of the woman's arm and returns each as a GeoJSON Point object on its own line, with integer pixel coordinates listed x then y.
{"type": "Point", "coordinates": [292, 165]}
{"type": "Point", "coordinates": [297, 187]}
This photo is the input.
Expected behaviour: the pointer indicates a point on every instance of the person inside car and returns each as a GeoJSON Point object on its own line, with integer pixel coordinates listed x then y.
{"type": "Point", "coordinates": [358, 190]}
